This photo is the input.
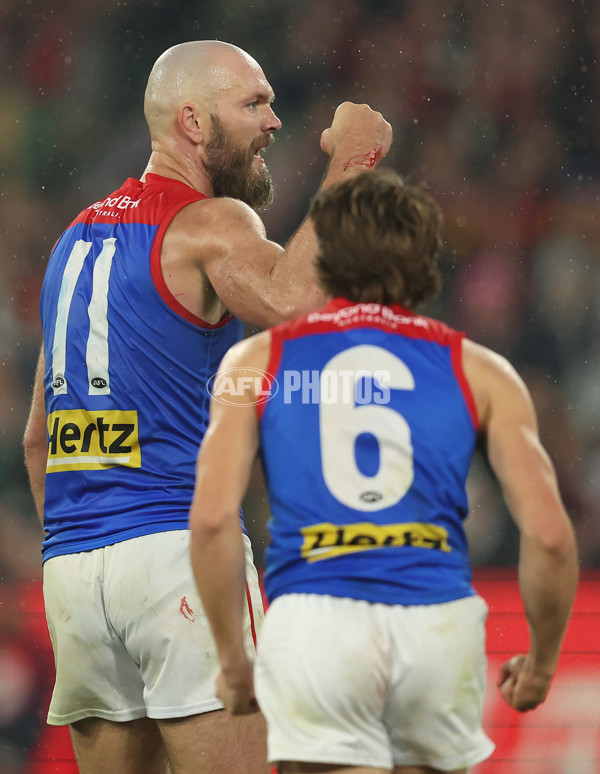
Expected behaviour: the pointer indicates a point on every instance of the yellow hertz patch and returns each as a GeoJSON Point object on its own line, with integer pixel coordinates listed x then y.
{"type": "Point", "coordinates": [92, 440]}
{"type": "Point", "coordinates": [322, 541]}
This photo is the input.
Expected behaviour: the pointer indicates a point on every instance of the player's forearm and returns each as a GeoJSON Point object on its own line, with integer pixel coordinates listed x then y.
{"type": "Point", "coordinates": [353, 148]}
{"type": "Point", "coordinates": [218, 563]}
{"type": "Point", "coordinates": [296, 277]}
{"type": "Point", "coordinates": [35, 460]}
{"type": "Point", "coordinates": [548, 581]}
{"type": "Point", "coordinates": [35, 440]}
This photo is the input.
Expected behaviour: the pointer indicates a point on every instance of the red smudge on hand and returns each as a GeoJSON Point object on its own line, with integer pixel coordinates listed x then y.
{"type": "Point", "coordinates": [368, 160]}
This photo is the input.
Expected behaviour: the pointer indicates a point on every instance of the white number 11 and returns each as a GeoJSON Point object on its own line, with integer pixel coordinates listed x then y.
{"type": "Point", "coordinates": [96, 355]}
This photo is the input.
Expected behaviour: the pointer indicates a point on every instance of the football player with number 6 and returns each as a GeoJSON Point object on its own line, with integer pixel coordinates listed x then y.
{"type": "Point", "coordinates": [372, 656]}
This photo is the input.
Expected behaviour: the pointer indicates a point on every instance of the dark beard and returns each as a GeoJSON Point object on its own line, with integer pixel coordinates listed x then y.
{"type": "Point", "coordinates": [231, 170]}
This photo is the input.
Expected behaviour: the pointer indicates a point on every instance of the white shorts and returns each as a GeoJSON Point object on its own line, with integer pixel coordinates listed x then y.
{"type": "Point", "coordinates": [129, 633]}
{"type": "Point", "coordinates": [343, 681]}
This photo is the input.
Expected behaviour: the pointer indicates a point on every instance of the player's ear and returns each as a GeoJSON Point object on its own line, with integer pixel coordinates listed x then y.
{"type": "Point", "coordinates": [190, 122]}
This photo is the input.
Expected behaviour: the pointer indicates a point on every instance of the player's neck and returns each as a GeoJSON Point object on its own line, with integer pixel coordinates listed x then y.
{"type": "Point", "coordinates": [183, 170]}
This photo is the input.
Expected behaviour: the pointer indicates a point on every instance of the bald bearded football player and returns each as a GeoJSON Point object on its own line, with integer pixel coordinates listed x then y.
{"type": "Point", "coordinates": [144, 293]}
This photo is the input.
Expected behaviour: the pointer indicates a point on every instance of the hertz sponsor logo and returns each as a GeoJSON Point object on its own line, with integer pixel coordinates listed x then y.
{"type": "Point", "coordinates": [323, 541]}
{"type": "Point", "coordinates": [91, 440]}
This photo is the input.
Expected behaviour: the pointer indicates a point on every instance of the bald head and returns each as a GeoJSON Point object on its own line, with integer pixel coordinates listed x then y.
{"type": "Point", "coordinates": [199, 72]}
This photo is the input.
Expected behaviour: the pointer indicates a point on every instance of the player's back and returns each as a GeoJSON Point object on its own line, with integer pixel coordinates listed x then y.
{"type": "Point", "coordinates": [366, 445]}
{"type": "Point", "coordinates": [125, 374]}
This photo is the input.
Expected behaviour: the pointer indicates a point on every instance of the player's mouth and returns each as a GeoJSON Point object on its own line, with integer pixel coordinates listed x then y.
{"type": "Point", "coordinates": [259, 149]}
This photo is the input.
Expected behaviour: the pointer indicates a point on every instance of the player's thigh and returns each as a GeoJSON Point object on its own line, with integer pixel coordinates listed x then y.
{"type": "Point", "coordinates": [320, 680]}
{"type": "Point", "coordinates": [425, 770]}
{"type": "Point", "coordinates": [216, 742]}
{"type": "Point", "coordinates": [158, 613]}
{"type": "Point", "coordinates": [440, 669]}
{"type": "Point", "coordinates": [294, 767]}
{"type": "Point", "coordinates": [90, 658]}
{"type": "Point", "coordinates": [105, 747]}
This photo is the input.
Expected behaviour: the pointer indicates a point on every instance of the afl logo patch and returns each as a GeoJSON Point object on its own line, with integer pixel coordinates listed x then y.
{"type": "Point", "coordinates": [58, 382]}
{"type": "Point", "coordinates": [371, 497]}
{"type": "Point", "coordinates": [98, 382]}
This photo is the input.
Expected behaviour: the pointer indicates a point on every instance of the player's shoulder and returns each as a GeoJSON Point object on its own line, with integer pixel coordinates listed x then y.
{"type": "Point", "coordinates": [486, 361]}
{"type": "Point", "coordinates": [494, 381]}
{"type": "Point", "coordinates": [218, 216]}
{"type": "Point", "coordinates": [253, 352]}
{"type": "Point", "coordinates": [214, 231]}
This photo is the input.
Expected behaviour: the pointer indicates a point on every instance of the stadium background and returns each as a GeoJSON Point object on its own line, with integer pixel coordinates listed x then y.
{"type": "Point", "coordinates": [495, 107]}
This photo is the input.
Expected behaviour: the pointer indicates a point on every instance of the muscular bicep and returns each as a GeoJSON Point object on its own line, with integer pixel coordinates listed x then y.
{"type": "Point", "coordinates": [228, 242]}
{"type": "Point", "coordinates": [523, 468]}
{"type": "Point", "coordinates": [231, 442]}
{"type": "Point", "coordinates": [241, 266]}
{"type": "Point", "coordinates": [509, 425]}
{"type": "Point", "coordinates": [225, 462]}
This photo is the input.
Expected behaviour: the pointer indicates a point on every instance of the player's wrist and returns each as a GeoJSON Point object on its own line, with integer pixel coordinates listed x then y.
{"type": "Point", "coordinates": [540, 667]}
{"type": "Point", "coordinates": [234, 662]}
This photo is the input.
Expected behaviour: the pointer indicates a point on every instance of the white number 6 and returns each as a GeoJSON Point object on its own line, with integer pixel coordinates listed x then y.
{"type": "Point", "coordinates": [342, 421]}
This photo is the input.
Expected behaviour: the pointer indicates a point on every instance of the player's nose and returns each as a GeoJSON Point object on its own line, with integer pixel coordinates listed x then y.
{"type": "Point", "coordinates": [272, 123]}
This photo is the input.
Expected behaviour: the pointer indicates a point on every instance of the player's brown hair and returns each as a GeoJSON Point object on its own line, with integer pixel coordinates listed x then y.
{"type": "Point", "coordinates": [379, 240]}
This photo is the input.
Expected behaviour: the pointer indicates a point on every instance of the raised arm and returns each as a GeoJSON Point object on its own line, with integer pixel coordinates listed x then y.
{"type": "Point", "coordinates": [258, 280]}
{"type": "Point", "coordinates": [35, 441]}
{"type": "Point", "coordinates": [548, 565]}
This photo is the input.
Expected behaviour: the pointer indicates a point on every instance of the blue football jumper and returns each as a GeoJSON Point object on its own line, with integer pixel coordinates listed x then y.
{"type": "Point", "coordinates": [126, 373]}
{"type": "Point", "coordinates": [366, 442]}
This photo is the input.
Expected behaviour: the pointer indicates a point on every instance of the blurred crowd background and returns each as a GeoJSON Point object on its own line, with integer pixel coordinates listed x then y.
{"type": "Point", "coordinates": [495, 108]}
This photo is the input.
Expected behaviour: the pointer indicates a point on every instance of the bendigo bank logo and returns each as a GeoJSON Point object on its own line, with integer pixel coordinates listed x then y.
{"type": "Point", "coordinates": [92, 440]}
{"type": "Point", "coordinates": [323, 541]}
